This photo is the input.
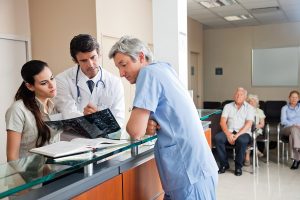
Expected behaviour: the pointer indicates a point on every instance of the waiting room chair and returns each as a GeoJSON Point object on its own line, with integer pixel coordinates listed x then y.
{"type": "Point", "coordinates": [265, 138]}
{"type": "Point", "coordinates": [284, 141]}
{"type": "Point", "coordinates": [252, 147]}
{"type": "Point", "coordinates": [226, 102]}
{"type": "Point", "coordinates": [212, 105]}
{"type": "Point", "coordinates": [272, 111]}
{"type": "Point", "coordinates": [261, 104]}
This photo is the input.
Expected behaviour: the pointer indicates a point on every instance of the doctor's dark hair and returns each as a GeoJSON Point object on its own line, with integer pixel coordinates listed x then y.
{"type": "Point", "coordinates": [28, 71]}
{"type": "Point", "coordinates": [132, 47]}
{"type": "Point", "coordinates": [83, 43]}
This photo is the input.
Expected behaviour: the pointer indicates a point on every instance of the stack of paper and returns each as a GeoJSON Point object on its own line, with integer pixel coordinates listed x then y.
{"type": "Point", "coordinates": [77, 145]}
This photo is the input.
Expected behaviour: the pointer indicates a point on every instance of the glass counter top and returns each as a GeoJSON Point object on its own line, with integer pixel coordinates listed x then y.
{"type": "Point", "coordinates": [35, 170]}
{"type": "Point", "coordinates": [206, 113]}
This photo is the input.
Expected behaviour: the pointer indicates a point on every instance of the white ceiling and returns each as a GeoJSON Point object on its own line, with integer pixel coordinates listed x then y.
{"type": "Point", "coordinates": [289, 11]}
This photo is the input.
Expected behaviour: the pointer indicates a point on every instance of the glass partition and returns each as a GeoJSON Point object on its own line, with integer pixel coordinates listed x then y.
{"type": "Point", "coordinates": [34, 170]}
{"type": "Point", "coordinates": [206, 113]}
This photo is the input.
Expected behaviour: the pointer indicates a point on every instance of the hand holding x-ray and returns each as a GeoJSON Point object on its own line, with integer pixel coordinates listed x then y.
{"type": "Point", "coordinates": [89, 109]}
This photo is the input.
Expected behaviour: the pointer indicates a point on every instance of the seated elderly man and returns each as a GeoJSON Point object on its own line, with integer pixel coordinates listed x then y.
{"type": "Point", "coordinates": [236, 122]}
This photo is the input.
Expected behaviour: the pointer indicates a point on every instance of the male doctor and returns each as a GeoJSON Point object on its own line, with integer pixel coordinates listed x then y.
{"type": "Point", "coordinates": [87, 87]}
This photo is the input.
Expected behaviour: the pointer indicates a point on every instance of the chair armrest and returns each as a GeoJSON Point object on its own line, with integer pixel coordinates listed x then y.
{"type": "Point", "coordinates": [267, 131]}
{"type": "Point", "coordinates": [278, 128]}
{"type": "Point", "coordinates": [278, 131]}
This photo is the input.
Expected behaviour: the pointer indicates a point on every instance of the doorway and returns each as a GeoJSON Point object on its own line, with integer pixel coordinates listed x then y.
{"type": "Point", "coordinates": [195, 83]}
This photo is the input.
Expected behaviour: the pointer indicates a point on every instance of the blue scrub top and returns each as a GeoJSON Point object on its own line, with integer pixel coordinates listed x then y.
{"type": "Point", "coordinates": [182, 153]}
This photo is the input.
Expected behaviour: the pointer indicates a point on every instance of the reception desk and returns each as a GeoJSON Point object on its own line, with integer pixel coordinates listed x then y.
{"type": "Point", "coordinates": [126, 172]}
{"type": "Point", "coordinates": [212, 116]}
{"type": "Point", "coordinates": [110, 173]}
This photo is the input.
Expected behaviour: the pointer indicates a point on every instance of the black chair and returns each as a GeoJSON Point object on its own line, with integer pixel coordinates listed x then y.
{"type": "Point", "coordinates": [262, 105]}
{"type": "Point", "coordinates": [273, 111]}
{"type": "Point", "coordinates": [283, 140]}
{"type": "Point", "coordinates": [212, 105]}
{"type": "Point", "coordinates": [265, 138]}
{"type": "Point", "coordinates": [226, 102]}
{"type": "Point", "coordinates": [251, 147]}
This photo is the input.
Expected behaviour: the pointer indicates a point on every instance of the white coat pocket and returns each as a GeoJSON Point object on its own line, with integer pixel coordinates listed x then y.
{"type": "Point", "coordinates": [105, 101]}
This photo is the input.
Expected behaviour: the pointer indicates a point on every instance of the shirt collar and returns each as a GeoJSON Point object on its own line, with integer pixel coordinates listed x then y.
{"type": "Point", "coordinates": [40, 105]}
{"type": "Point", "coordinates": [243, 104]}
{"type": "Point", "coordinates": [291, 108]}
{"type": "Point", "coordinates": [95, 79]}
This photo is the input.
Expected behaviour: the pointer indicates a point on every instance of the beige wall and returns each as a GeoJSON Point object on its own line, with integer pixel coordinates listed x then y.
{"type": "Point", "coordinates": [55, 22]}
{"type": "Point", "coordinates": [14, 18]}
{"type": "Point", "coordinates": [14, 24]}
{"type": "Point", "coordinates": [231, 50]}
{"type": "Point", "coordinates": [116, 18]}
{"type": "Point", "coordinates": [132, 17]}
{"type": "Point", "coordinates": [195, 45]}
{"type": "Point", "coordinates": [53, 25]}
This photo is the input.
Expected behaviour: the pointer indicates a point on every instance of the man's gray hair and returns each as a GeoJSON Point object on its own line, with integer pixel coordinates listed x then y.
{"type": "Point", "coordinates": [132, 47]}
{"type": "Point", "coordinates": [242, 89]}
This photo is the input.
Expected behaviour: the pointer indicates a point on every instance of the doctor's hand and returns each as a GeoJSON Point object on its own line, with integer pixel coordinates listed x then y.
{"type": "Point", "coordinates": [152, 127]}
{"type": "Point", "coordinates": [89, 109]}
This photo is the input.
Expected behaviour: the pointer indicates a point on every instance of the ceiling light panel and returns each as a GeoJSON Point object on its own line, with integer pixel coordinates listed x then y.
{"type": "Point", "coordinates": [225, 13]}
{"type": "Point", "coordinates": [215, 3]}
{"type": "Point", "coordinates": [227, 8]}
{"type": "Point", "coordinates": [237, 17]}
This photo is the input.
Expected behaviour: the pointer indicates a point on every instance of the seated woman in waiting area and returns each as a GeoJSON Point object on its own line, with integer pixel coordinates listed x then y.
{"type": "Point", "coordinates": [290, 119]}
{"type": "Point", "coordinates": [259, 123]}
{"type": "Point", "coordinates": [24, 119]}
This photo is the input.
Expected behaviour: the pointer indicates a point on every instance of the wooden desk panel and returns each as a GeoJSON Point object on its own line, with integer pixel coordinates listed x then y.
{"type": "Point", "coordinates": [208, 136]}
{"type": "Point", "coordinates": [142, 182]}
{"type": "Point", "coordinates": [215, 126]}
{"type": "Point", "coordinates": [109, 190]}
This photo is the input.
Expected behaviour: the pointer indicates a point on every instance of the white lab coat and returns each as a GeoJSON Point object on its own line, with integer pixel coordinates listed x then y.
{"type": "Point", "coordinates": [111, 96]}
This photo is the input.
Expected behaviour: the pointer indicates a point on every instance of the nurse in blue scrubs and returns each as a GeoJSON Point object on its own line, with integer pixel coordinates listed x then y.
{"type": "Point", "coordinates": [184, 160]}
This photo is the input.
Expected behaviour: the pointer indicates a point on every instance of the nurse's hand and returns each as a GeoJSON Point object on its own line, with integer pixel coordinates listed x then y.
{"type": "Point", "coordinates": [152, 127]}
{"type": "Point", "coordinates": [89, 109]}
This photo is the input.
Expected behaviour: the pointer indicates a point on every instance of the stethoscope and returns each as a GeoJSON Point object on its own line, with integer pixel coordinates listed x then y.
{"type": "Point", "coordinates": [76, 83]}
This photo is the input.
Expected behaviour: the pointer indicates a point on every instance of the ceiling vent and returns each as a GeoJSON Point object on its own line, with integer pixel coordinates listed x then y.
{"type": "Point", "coordinates": [264, 10]}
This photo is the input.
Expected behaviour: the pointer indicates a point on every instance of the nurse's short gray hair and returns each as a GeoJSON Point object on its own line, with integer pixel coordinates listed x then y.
{"type": "Point", "coordinates": [132, 47]}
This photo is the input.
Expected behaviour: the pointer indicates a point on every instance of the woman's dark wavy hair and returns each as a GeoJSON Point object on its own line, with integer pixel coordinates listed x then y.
{"type": "Point", "coordinates": [28, 71]}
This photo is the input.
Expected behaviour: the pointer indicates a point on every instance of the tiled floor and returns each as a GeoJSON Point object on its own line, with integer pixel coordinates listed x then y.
{"type": "Point", "coordinates": [271, 182]}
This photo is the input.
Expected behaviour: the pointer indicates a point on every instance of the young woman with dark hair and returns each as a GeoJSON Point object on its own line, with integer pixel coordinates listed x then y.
{"type": "Point", "coordinates": [25, 118]}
